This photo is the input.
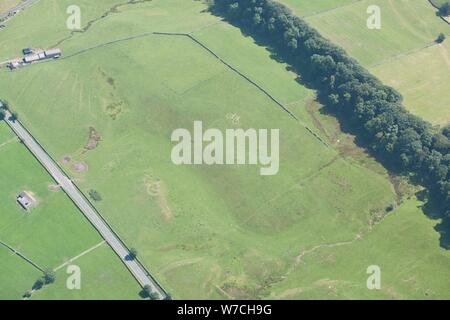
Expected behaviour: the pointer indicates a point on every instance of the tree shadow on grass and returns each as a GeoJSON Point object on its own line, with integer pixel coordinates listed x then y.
{"type": "Point", "coordinates": [130, 257]}
{"type": "Point", "coordinates": [432, 210]}
{"type": "Point", "coordinates": [143, 295]}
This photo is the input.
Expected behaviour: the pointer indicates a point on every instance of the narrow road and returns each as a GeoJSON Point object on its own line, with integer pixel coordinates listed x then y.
{"type": "Point", "coordinates": [21, 6]}
{"type": "Point", "coordinates": [97, 221]}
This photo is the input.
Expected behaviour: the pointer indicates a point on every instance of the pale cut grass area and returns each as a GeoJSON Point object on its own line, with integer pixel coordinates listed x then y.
{"type": "Point", "coordinates": [423, 79]}
{"type": "Point", "coordinates": [306, 8]}
{"type": "Point", "coordinates": [398, 53]}
{"type": "Point", "coordinates": [406, 25]}
{"type": "Point", "coordinates": [5, 5]}
{"type": "Point", "coordinates": [211, 215]}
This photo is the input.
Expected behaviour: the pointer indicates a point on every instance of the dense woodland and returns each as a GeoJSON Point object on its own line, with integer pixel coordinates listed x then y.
{"type": "Point", "coordinates": [373, 110]}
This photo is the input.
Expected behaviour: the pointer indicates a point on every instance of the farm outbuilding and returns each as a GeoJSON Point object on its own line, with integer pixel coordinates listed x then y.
{"type": "Point", "coordinates": [32, 58]}
{"type": "Point", "coordinates": [26, 200]}
{"type": "Point", "coordinates": [53, 53]}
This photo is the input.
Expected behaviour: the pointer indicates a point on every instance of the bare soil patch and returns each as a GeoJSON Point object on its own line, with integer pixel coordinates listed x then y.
{"type": "Point", "coordinates": [94, 139]}
{"type": "Point", "coordinates": [181, 263]}
{"type": "Point", "coordinates": [66, 160]}
{"type": "Point", "coordinates": [80, 167]}
{"type": "Point", "coordinates": [54, 187]}
{"type": "Point", "coordinates": [155, 188]}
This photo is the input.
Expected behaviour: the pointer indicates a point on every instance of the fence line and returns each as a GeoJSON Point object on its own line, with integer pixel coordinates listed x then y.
{"type": "Point", "coordinates": [21, 256]}
{"type": "Point", "coordinates": [202, 45]}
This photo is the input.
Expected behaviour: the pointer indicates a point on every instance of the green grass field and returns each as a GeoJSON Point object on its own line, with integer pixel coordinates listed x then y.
{"type": "Point", "coordinates": [397, 53]}
{"type": "Point", "coordinates": [426, 96]}
{"type": "Point", "coordinates": [269, 209]}
{"type": "Point", "coordinates": [404, 246]}
{"type": "Point", "coordinates": [406, 25]}
{"type": "Point", "coordinates": [17, 275]}
{"type": "Point", "coordinates": [16, 36]}
{"type": "Point", "coordinates": [103, 276]}
{"type": "Point", "coordinates": [51, 234]}
{"type": "Point", "coordinates": [205, 232]}
{"type": "Point", "coordinates": [273, 76]}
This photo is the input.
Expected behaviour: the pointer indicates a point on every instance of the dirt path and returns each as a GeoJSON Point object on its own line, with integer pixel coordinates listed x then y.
{"type": "Point", "coordinates": [8, 142]}
{"type": "Point", "coordinates": [358, 237]}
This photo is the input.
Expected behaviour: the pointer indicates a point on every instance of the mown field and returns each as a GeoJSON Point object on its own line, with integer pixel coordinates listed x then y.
{"type": "Point", "coordinates": [401, 53]}
{"type": "Point", "coordinates": [51, 234]}
{"type": "Point", "coordinates": [304, 8]}
{"type": "Point", "coordinates": [426, 86]}
{"type": "Point", "coordinates": [205, 232]}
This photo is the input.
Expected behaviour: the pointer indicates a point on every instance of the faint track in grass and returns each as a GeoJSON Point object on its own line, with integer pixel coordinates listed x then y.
{"type": "Point", "coordinates": [358, 237]}
{"type": "Point", "coordinates": [12, 140]}
{"type": "Point", "coordinates": [80, 255]}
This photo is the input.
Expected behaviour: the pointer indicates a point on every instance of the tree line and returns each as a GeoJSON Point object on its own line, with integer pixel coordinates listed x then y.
{"type": "Point", "coordinates": [373, 110]}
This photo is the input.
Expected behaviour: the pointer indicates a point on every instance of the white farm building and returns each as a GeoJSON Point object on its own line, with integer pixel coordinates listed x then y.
{"type": "Point", "coordinates": [53, 53]}
{"type": "Point", "coordinates": [43, 55]}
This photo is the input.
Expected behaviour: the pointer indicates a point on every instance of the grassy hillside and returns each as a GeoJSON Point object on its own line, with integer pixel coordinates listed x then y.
{"type": "Point", "coordinates": [205, 232]}
{"type": "Point", "coordinates": [404, 246]}
{"type": "Point", "coordinates": [135, 93]}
